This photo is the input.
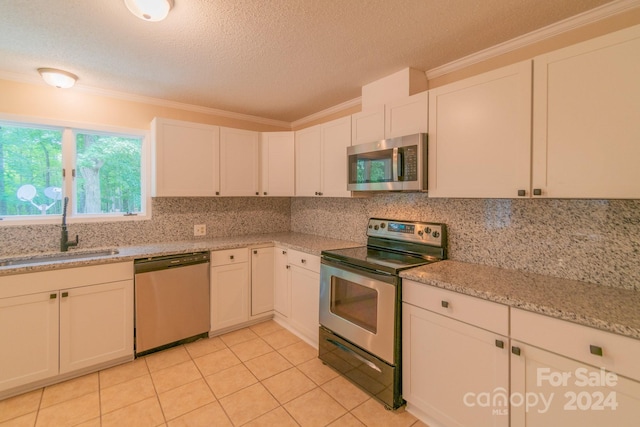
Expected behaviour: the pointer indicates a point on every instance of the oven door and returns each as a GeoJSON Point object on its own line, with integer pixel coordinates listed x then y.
{"type": "Point", "coordinates": [360, 306]}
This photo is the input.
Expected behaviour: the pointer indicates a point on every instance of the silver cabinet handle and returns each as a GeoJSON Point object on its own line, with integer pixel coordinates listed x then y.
{"type": "Point", "coordinates": [64, 294]}
{"type": "Point", "coordinates": [444, 304]}
{"type": "Point", "coordinates": [515, 350]}
{"type": "Point", "coordinates": [53, 296]}
{"type": "Point", "coordinates": [230, 256]}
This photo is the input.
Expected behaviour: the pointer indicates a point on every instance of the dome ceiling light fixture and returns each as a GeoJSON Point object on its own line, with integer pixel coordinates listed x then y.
{"type": "Point", "coordinates": [150, 10]}
{"type": "Point", "coordinates": [58, 78]}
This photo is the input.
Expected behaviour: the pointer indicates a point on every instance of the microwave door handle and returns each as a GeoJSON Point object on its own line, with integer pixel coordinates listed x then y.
{"type": "Point", "coordinates": [396, 172]}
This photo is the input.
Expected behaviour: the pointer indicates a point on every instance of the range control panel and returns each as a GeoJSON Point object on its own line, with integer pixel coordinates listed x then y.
{"type": "Point", "coordinates": [427, 233]}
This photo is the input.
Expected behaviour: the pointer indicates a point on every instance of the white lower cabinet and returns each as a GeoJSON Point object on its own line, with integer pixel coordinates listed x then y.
{"type": "Point", "coordinates": [449, 366]}
{"type": "Point", "coordinates": [262, 276]}
{"type": "Point", "coordinates": [29, 337]}
{"type": "Point", "coordinates": [56, 323]}
{"type": "Point", "coordinates": [297, 292]}
{"type": "Point", "coordinates": [281, 282]}
{"type": "Point", "coordinates": [563, 374]}
{"type": "Point", "coordinates": [229, 288]}
{"type": "Point", "coordinates": [95, 324]}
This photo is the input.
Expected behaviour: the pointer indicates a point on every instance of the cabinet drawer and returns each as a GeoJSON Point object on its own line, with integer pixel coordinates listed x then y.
{"type": "Point", "coordinates": [619, 354]}
{"type": "Point", "coordinates": [475, 311]}
{"type": "Point", "coordinates": [304, 260]}
{"type": "Point", "coordinates": [229, 256]}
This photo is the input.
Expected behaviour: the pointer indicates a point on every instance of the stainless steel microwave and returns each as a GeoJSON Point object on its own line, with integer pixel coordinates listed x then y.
{"type": "Point", "coordinates": [396, 164]}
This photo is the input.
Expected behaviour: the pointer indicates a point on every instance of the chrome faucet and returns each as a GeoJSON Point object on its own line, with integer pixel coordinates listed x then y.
{"type": "Point", "coordinates": [65, 243]}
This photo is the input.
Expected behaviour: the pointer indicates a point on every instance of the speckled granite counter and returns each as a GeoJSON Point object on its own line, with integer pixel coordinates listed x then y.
{"type": "Point", "coordinates": [607, 308]}
{"type": "Point", "coordinates": [303, 242]}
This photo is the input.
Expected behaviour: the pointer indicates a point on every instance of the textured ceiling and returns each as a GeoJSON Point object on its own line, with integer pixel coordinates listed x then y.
{"type": "Point", "coordinates": [276, 59]}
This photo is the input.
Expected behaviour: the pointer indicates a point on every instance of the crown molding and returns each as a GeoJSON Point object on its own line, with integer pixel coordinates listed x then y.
{"type": "Point", "coordinates": [36, 80]}
{"type": "Point", "coordinates": [324, 113]}
{"type": "Point", "coordinates": [582, 19]}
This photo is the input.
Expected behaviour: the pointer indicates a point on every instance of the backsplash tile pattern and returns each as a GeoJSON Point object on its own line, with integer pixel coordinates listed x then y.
{"type": "Point", "coordinates": [596, 241]}
{"type": "Point", "coordinates": [172, 220]}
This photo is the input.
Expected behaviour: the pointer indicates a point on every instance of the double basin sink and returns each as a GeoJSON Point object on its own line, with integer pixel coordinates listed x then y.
{"type": "Point", "coordinates": [54, 257]}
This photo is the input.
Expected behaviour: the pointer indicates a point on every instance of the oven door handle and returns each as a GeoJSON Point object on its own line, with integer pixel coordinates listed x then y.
{"type": "Point", "coordinates": [354, 354]}
{"type": "Point", "coordinates": [394, 165]}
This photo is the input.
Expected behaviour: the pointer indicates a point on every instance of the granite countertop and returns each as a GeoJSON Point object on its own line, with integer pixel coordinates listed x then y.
{"type": "Point", "coordinates": [303, 242]}
{"type": "Point", "coordinates": [610, 309]}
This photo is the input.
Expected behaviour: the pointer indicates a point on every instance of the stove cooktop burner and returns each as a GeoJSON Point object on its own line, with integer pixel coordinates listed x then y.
{"type": "Point", "coordinates": [393, 246]}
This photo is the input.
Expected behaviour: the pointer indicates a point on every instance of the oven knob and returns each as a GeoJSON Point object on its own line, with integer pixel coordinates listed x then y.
{"type": "Point", "coordinates": [427, 230]}
{"type": "Point", "coordinates": [370, 226]}
{"type": "Point", "coordinates": [375, 227]}
{"type": "Point", "coordinates": [383, 225]}
{"type": "Point", "coordinates": [420, 233]}
{"type": "Point", "coordinates": [436, 234]}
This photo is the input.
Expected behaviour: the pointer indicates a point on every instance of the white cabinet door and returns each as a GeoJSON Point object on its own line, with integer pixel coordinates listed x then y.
{"type": "Point", "coordinates": [262, 276]}
{"type": "Point", "coordinates": [480, 135]}
{"type": "Point", "coordinates": [239, 154]}
{"type": "Point", "coordinates": [563, 392]}
{"type": "Point", "coordinates": [186, 158]}
{"type": "Point", "coordinates": [367, 126]}
{"type": "Point", "coordinates": [587, 119]}
{"type": "Point", "coordinates": [29, 339]}
{"type": "Point", "coordinates": [305, 301]}
{"type": "Point", "coordinates": [336, 137]}
{"type": "Point", "coordinates": [308, 153]}
{"type": "Point", "coordinates": [447, 364]}
{"type": "Point", "coordinates": [407, 116]}
{"type": "Point", "coordinates": [277, 160]}
{"type": "Point", "coordinates": [229, 295]}
{"type": "Point", "coordinates": [282, 284]}
{"type": "Point", "coordinates": [96, 324]}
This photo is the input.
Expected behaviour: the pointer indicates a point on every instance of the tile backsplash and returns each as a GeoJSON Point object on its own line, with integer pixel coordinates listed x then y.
{"type": "Point", "coordinates": [172, 220]}
{"type": "Point", "coordinates": [596, 241]}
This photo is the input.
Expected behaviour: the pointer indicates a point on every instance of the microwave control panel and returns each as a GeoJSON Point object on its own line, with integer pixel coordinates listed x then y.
{"type": "Point", "coordinates": [409, 163]}
{"type": "Point", "coordinates": [408, 231]}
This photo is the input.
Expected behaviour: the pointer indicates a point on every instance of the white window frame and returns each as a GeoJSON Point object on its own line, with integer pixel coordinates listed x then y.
{"type": "Point", "coordinates": [69, 130]}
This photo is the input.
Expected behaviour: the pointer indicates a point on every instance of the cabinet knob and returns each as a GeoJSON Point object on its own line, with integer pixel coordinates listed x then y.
{"type": "Point", "coordinates": [304, 261]}
{"type": "Point", "coordinates": [217, 193]}
{"type": "Point", "coordinates": [515, 350]}
{"type": "Point", "coordinates": [255, 252]}
{"type": "Point", "coordinates": [499, 343]}
{"type": "Point", "coordinates": [522, 193]}
{"type": "Point", "coordinates": [64, 294]}
{"type": "Point", "coordinates": [230, 256]}
{"type": "Point", "coordinates": [319, 193]}
{"type": "Point", "coordinates": [287, 267]}
{"type": "Point", "coordinates": [537, 192]}
{"type": "Point", "coordinates": [595, 350]}
{"type": "Point", "coordinates": [257, 193]}
{"type": "Point", "coordinates": [284, 252]}
{"type": "Point", "coordinates": [265, 193]}
{"type": "Point", "coordinates": [444, 304]}
{"type": "Point", "coordinates": [53, 296]}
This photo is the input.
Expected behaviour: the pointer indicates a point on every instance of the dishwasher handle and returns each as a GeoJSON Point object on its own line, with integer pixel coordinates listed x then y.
{"type": "Point", "coordinates": [170, 261]}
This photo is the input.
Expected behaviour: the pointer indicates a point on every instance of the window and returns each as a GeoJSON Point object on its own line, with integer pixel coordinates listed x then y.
{"type": "Point", "coordinates": [102, 173]}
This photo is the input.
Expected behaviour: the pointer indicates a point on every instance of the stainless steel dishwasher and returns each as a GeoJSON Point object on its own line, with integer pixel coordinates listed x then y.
{"type": "Point", "coordinates": [171, 300]}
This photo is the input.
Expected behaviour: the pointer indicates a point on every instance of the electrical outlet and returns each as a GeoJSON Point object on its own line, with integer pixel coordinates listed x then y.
{"type": "Point", "coordinates": [200, 230]}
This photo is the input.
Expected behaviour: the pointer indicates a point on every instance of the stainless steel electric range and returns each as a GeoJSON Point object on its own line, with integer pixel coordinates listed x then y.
{"type": "Point", "coordinates": [360, 302]}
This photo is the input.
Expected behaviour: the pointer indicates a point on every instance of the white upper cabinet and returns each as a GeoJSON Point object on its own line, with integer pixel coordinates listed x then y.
{"type": "Point", "coordinates": [277, 164]}
{"type": "Point", "coordinates": [400, 117]}
{"type": "Point", "coordinates": [480, 135]}
{"type": "Point", "coordinates": [406, 116]}
{"type": "Point", "coordinates": [185, 159]}
{"type": "Point", "coordinates": [321, 159]}
{"type": "Point", "coordinates": [336, 137]}
{"type": "Point", "coordinates": [239, 154]}
{"type": "Point", "coordinates": [367, 126]}
{"type": "Point", "coordinates": [307, 153]}
{"type": "Point", "coordinates": [586, 134]}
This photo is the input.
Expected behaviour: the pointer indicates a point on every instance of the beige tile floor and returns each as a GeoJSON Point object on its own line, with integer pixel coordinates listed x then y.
{"type": "Point", "coordinates": [258, 376]}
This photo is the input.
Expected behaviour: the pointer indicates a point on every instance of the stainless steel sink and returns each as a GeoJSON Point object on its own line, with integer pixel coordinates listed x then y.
{"type": "Point", "coordinates": [58, 256]}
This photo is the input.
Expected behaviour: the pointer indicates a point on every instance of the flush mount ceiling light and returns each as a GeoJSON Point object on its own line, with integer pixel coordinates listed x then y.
{"type": "Point", "coordinates": [150, 10]}
{"type": "Point", "coordinates": [58, 78]}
